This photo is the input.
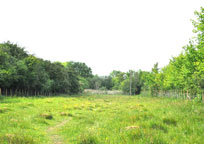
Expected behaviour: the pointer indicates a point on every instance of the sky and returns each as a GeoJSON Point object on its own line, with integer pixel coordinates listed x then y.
{"type": "Point", "coordinates": [105, 34]}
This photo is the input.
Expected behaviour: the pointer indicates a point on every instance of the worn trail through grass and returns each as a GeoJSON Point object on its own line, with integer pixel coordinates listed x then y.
{"type": "Point", "coordinates": [55, 138]}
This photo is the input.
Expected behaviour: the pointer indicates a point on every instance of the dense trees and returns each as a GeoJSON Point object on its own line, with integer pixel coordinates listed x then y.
{"type": "Point", "coordinates": [25, 74]}
{"type": "Point", "coordinates": [82, 71]}
{"type": "Point", "coordinates": [80, 68]}
{"type": "Point", "coordinates": [101, 82]}
{"type": "Point", "coordinates": [130, 82]}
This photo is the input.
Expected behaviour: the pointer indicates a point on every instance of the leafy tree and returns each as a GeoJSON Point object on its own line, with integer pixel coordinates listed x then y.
{"type": "Point", "coordinates": [80, 68]}
{"type": "Point", "coordinates": [117, 78]}
{"type": "Point", "coordinates": [154, 80]}
{"type": "Point", "coordinates": [133, 83]}
{"type": "Point", "coordinates": [107, 82]}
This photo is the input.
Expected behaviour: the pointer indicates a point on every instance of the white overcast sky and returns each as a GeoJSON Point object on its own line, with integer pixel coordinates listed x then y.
{"type": "Point", "coordinates": [105, 34]}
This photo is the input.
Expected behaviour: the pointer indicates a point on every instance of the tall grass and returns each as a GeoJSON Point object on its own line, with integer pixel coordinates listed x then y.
{"type": "Point", "coordinates": [99, 119]}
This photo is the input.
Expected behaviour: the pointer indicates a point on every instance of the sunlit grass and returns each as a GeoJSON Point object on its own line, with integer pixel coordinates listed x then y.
{"type": "Point", "coordinates": [100, 119]}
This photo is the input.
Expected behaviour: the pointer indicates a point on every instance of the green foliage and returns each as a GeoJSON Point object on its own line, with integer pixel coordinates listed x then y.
{"type": "Point", "coordinates": [84, 83]}
{"type": "Point", "coordinates": [101, 82]}
{"type": "Point", "coordinates": [107, 82]}
{"type": "Point", "coordinates": [155, 80]}
{"type": "Point", "coordinates": [80, 68]}
{"type": "Point", "coordinates": [29, 75]}
{"type": "Point", "coordinates": [126, 86]}
{"type": "Point", "coordinates": [82, 72]}
{"type": "Point", "coordinates": [133, 83]}
{"type": "Point", "coordinates": [117, 78]}
{"type": "Point", "coordinates": [95, 82]}
{"type": "Point", "coordinates": [186, 71]}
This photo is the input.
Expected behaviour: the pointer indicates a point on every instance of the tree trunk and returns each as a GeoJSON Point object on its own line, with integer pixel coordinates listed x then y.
{"type": "Point", "coordinates": [203, 96]}
{"type": "Point", "coordinates": [188, 97]}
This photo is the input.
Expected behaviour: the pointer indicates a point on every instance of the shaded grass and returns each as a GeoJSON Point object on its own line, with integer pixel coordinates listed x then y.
{"type": "Point", "coordinates": [101, 119]}
{"type": "Point", "coordinates": [47, 116]}
{"type": "Point", "coordinates": [16, 139]}
{"type": "Point", "coordinates": [159, 127]}
{"type": "Point", "coordinates": [170, 121]}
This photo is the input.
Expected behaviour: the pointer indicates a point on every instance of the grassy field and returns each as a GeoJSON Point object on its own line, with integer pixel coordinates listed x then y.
{"type": "Point", "coordinates": [100, 119]}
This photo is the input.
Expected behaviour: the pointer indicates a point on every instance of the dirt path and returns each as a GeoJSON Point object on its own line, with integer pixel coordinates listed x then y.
{"type": "Point", "coordinates": [54, 137]}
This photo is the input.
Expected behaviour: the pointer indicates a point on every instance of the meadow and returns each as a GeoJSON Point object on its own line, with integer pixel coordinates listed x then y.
{"type": "Point", "coordinates": [100, 119]}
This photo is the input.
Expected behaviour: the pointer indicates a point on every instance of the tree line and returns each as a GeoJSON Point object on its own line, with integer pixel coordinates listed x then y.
{"type": "Point", "coordinates": [24, 74]}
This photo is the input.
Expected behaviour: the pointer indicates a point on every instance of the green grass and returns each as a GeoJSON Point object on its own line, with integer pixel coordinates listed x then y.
{"type": "Point", "coordinates": [101, 119]}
